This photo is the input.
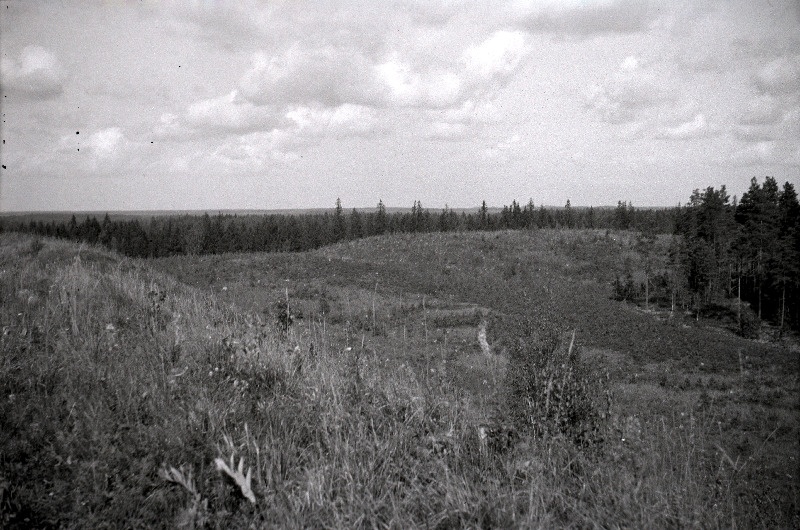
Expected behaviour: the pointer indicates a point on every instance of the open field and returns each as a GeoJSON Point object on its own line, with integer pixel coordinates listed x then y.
{"type": "Point", "coordinates": [350, 386]}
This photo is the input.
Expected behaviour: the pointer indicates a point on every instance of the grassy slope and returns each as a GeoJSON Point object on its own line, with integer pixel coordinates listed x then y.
{"type": "Point", "coordinates": [366, 412]}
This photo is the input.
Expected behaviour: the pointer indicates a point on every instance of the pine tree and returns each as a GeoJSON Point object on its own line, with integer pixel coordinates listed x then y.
{"type": "Point", "coordinates": [339, 229]}
{"type": "Point", "coordinates": [381, 222]}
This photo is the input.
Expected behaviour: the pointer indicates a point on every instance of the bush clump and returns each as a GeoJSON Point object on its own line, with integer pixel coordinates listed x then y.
{"type": "Point", "coordinates": [749, 324]}
{"type": "Point", "coordinates": [549, 389]}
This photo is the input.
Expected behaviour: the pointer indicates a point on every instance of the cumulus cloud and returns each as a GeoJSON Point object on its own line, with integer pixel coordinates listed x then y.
{"type": "Point", "coordinates": [106, 143]}
{"type": "Point", "coordinates": [469, 119]}
{"type": "Point", "coordinates": [332, 76]}
{"type": "Point", "coordinates": [103, 144]}
{"type": "Point", "coordinates": [328, 75]}
{"type": "Point", "coordinates": [314, 90]}
{"type": "Point", "coordinates": [36, 74]}
{"type": "Point", "coordinates": [498, 55]}
{"type": "Point", "coordinates": [230, 113]}
{"type": "Point", "coordinates": [402, 86]}
{"type": "Point", "coordinates": [631, 90]}
{"type": "Point", "coordinates": [343, 121]}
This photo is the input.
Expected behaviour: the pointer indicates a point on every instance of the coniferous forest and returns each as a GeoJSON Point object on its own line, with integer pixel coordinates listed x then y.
{"type": "Point", "coordinates": [720, 249]}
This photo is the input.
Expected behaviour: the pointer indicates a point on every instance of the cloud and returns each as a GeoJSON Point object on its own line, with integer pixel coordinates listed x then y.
{"type": "Point", "coordinates": [103, 144]}
{"type": "Point", "coordinates": [777, 143]}
{"type": "Point", "coordinates": [222, 24]}
{"type": "Point", "coordinates": [344, 121]}
{"type": "Point", "coordinates": [230, 113]}
{"type": "Point", "coordinates": [779, 76]}
{"type": "Point", "coordinates": [497, 56]}
{"type": "Point", "coordinates": [470, 119]}
{"type": "Point", "coordinates": [589, 17]}
{"type": "Point", "coordinates": [402, 86]}
{"type": "Point", "coordinates": [323, 90]}
{"type": "Point", "coordinates": [772, 115]}
{"type": "Point", "coordinates": [502, 151]}
{"type": "Point", "coordinates": [698, 127]}
{"type": "Point", "coordinates": [331, 75]}
{"type": "Point", "coordinates": [631, 90]}
{"type": "Point", "coordinates": [761, 110]}
{"type": "Point", "coordinates": [785, 129]}
{"type": "Point", "coordinates": [328, 75]}
{"type": "Point", "coordinates": [442, 130]}
{"type": "Point", "coordinates": [106, 143]}
{"type": "Point", "coordinates": [37, 74]}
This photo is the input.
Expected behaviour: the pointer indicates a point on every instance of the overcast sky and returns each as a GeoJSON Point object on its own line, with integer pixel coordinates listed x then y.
{"type": "Point", "coordinates": [236, 104]}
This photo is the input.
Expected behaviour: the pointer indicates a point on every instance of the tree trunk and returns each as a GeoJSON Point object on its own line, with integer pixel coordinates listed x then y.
{"type": "Point", "coordinates": [759, 300]}
{"type": "Point", "coordinates": [783, 307]}
{"type": "Point", "coordinates": [697, 307]}
{"type": "Point", "coordinates": [673, 300]}
{"type": "Point", "coordinates": [739, 302]}
{"type": "Point", "coordinates": [646, 292]}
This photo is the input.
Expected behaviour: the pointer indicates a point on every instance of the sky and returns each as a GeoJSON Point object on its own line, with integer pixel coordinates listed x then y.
{"type": "Point", "coordinates": [243, 104]}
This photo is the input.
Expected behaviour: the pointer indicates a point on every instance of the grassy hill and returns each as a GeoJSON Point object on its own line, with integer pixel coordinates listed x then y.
{"type": "Point", "coordinates": [347, 387]}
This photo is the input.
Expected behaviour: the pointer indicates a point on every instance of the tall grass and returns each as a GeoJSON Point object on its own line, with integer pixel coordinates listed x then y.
{"type": "Point", "coordinates": [131, 400]}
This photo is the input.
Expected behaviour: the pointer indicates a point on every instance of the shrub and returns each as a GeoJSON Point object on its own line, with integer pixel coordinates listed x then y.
{"type": "Point", "coordinates": [549, 390]}
{"type": "Point", "coordinates": [750, 324]}
{"type": "Point", "coordinates": [286, 314]}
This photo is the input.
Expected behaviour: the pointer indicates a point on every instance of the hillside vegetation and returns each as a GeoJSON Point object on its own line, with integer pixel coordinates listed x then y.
{"type": "Point", "coordinates": [347, 387]}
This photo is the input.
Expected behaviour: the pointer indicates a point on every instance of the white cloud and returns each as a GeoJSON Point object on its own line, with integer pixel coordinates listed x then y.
{"type": "Point", "coordinates": [631, 91]}
{"type": "Point", "coordinates": [328, 76]}
{"type": "Point", "coordinates": [623, 102]}
{"type": "Point", "coordinates": [442, 130]}
{"type": "Point", "coordinates": [103, 144]}
{"type": "Point", "coordinates": [504, 150]}
{"type": "Point", "coordinates": [342, 121]}
{"type": "Point", "coordinates": [230, 113]}
{"type": "Point", "coordinates": [698, 127]}
{"type": "Point", "coordinates": [36, 74]}
{"type": "Point", "coordinates": [402, 86]}
{"type": "Point", "coordinates": [630, 64]}
{"type": "Point", "coordinates": [106, 143]}
{"type": "Point", "coordinates": [779, 76]}
{"type": "Point", "coordinates": [499, 55]}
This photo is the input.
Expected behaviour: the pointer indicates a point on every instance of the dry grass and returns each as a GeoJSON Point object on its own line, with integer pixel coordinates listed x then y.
{"type": "Point", "coordinates": [132, 400]}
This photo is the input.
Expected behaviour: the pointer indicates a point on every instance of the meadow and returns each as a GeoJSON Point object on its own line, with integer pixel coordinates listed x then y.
{"type": "Point", "coordinates": [347, 387]}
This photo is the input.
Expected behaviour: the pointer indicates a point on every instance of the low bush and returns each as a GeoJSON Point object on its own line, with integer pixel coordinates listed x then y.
{"type": "Point", "coordinates": [549, 390]}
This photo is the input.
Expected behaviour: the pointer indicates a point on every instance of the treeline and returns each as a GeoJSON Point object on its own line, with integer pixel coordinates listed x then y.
{"type": "Point", "coordinates": [748, 251]}
{"type": "Point", "coordinates": [726, 257]}
{"type": "Point", "coordinates": [222, 233]}
{"type": "Point", "coordinates": [721, 251]}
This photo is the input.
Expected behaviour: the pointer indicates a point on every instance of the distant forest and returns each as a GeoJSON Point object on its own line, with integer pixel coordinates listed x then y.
{"type": "Point", "coordinates": [747, 250]}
